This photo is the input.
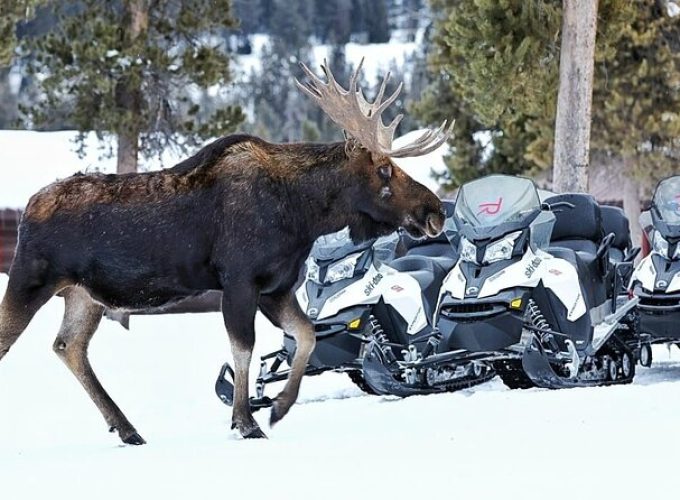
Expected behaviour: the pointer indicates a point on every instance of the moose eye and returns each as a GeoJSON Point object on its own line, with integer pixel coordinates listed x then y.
{"type": "Point", "coordinates": [385, 171]}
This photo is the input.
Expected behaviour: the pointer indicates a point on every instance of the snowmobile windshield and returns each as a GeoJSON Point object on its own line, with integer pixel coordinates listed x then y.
{"type": "Point", "coordinates": [494, 205]}
{"type": "Point", "coordinates": [337, 245]}
{"type": "Point", "coordinates": [666, 207]}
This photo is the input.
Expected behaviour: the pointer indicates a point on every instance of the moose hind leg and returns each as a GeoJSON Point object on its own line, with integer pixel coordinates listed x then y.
{"type": "Point", "coordinates": [239, 319]}
{"type": "Point", "coordinates": [81, 319]}
{"type": "Point", "coordinates": [287, 312]}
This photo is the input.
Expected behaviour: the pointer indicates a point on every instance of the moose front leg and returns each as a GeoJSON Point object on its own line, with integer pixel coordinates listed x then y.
{"type": "Point", "coordinates": [239, 318]}
{"type": "Point", "coordinates": [285, 310]}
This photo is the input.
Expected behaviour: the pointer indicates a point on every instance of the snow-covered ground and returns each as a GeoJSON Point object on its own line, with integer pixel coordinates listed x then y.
{"type": "Point", "coordinates": [486, 443]}
{"type": "Point", "coordinates": [616, 442]}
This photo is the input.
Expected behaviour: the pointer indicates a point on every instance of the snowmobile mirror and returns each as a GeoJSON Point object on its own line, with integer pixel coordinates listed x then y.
{"type": "Point", "coordinates": [605, 244]}
{"type": "Point", "coordinates": [602, 253]}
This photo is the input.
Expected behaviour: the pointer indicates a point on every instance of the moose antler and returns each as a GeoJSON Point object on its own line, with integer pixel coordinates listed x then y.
{"type": "Point", "coordinates": [362, 119]}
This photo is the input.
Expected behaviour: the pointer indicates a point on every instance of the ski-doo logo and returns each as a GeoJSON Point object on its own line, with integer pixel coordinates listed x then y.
{"type": "Point", "coordinates": [472, 290]}
{"type": "Point", "coordinates": [312, 312]}
{"type": "Point", "coordinates": [372, 283]}
{"type": "Point", "coordinates": [497, 275]}
{"type": "Point", "coordinates": [531, 268]}
{"type": "Point", "coordinates": [490, 208]}
{"type": "Point", "coordinates": [661, 284]}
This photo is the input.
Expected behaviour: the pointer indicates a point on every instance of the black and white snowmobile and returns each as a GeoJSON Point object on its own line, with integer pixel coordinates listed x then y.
{"type": "Point", "coordinates": [656, 279]}
{"type": "Point", "coordinates": [380, 291]}
{"type": "Point", "coordinates": [537, 290]}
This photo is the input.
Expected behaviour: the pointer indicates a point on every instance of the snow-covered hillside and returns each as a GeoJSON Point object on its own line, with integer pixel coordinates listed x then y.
{"type": "Point", "coordinates": [337, 443]}
{"type": "Point", "coordinates": [378, 57]}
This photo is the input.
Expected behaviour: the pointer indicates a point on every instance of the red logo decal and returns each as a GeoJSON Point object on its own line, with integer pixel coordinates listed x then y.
{"type": "Point", "coordinates": [556, 272]}
{"type": "Point", "coordinates": [397, 288]}
{"type": "Point", "coordinates": [491, 208]}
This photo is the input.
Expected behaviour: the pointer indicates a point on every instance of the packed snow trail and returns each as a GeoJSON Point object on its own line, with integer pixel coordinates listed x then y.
{"type": "Point", "coordinates": [611, 442]}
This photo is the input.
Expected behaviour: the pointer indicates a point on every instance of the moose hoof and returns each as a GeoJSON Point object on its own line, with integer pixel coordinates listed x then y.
{"type": "Point", "coordinates": [255, 433]}
{"type": "Point", "coordinates": [279, 410]}
{"type": "Point", "coordinates": [134, 439]}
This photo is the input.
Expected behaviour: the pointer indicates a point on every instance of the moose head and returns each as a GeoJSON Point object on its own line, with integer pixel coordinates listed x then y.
{"type": "Point", "coordinates": [385, 197]}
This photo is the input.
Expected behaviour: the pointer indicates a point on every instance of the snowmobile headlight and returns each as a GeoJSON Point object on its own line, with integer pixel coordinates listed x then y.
{"type": "Point", "coordinates": [660, 245]}
{"type": "Point", "coordinates": [501, 249]}
{"type": "Point", "coordinates": [468, 251]}
{"type": "Point", "coordinates": [313, 271]}
{"type": "Point", "coordinates": [343, 269]}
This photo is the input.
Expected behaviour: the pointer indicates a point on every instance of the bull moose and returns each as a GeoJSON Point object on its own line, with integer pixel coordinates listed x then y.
{"type": "Point", "coordinates": [239, 216]}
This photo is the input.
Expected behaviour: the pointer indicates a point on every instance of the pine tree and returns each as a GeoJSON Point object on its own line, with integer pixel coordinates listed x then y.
{"type": "Point", "coordinates": [495, 66]}
{"type": "Point", "coordinates": [128, 69]}
{"type": "Point", "coordinates": [637, 116]}
{"type": "Point", "coordinates": [376, 21]}
{"type": "Point", "coordinates": [11, 13]}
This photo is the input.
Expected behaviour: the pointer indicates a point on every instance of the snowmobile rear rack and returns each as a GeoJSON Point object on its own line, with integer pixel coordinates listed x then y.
{"type": "Point", "coordinates": [224, 387]}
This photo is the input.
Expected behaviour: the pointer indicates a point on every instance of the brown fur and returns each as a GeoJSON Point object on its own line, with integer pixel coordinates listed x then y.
{"type": "Point", "coordinates": [76, 193]}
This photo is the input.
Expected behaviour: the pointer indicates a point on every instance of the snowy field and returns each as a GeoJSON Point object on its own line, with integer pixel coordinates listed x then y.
{"type": "Point", "coordinates": [616, 442]}
{"type": "Point", "coordinates": [336, 443]}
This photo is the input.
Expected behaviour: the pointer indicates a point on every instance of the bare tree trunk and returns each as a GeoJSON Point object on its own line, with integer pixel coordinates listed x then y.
{"type": "Point", "coordinates": [572, 123]}
{"type": "Point", "coordinates": [631, 202]}
{"type": "Point", "coordinates": [128, 97]}
{"type": "Point", "coordinates": [128, 148]}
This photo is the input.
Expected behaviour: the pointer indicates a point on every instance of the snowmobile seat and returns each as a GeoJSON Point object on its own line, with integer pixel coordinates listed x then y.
{"type": "Point", "coordinates": [583, 246]}
{"type": "Point", "coordinates": [614, 220]}
{"type": "Point", "coordinates": [578, 228]}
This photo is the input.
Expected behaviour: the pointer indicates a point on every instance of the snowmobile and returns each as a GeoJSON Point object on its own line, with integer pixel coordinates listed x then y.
{"type": "Point", "coordinates": [538, 289]}
{"type": "Point", "coordinates": [381, 291]}
{"type": "Point", "coordinates": [656, 279]}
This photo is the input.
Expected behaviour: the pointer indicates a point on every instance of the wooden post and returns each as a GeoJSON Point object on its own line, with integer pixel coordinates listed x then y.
{"type": "Point", "coordinates": [574, 99]}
